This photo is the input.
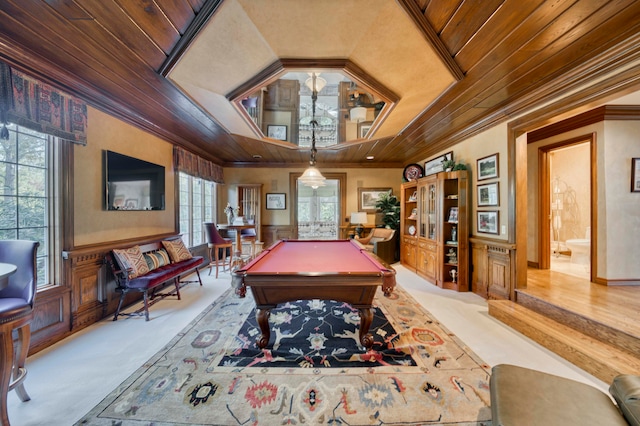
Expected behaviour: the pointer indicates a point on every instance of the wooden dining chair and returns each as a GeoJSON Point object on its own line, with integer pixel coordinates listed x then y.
{"type": "Point", "coordinates": [16, 313]}
{"type": "Point", "coordinates": [248, 237]}
{"type": "Point", "coordinates": [219, 248]}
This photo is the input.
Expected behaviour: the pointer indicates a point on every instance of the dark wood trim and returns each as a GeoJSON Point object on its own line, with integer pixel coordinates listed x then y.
{"type": "Point", "coordinates": [544, 197]}
{"type": "Point", "coordinates": [306, 164]}
{"type": "Point", "coordinates": [203, 16]}
{"type": "Point", "coordinates": [176, 200]}
{"type": "Point", "coordinates": [273, 71]}
{"type": "Point", "coordinates": [431, 36]}
{"type": "Point", "coordinates": [544, 221]}
{"type": "Point", "coordinates": [594, 207]}
{"type": "Point", "coordinates": [67, 193]}
{"type": "Point", "coordinates": [517, 205]}
{"type": "Point", "coordinates": [607, 112]}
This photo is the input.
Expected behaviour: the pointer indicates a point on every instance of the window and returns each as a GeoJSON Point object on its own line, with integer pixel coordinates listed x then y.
{"type": "Point", "coordinates": [197, 205]}
{"type": "Point", "coordinates": [28, 206]}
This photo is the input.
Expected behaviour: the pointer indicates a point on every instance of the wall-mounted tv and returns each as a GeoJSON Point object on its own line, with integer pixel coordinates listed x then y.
{"type": "Point", "coordinates": [132, 184]}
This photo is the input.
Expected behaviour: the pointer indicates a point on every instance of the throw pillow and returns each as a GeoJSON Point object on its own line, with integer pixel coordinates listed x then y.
{"type": "Point", "coordinates": [156, 259]}
{"type": "Point", "coordinates": [177, 251]}
{"type": "Point", "coordinates": [132, 258]}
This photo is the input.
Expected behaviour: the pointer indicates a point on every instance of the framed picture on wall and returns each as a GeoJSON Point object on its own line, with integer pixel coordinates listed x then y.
{"type": "Point", "coordinates": [488, 167]}
{"type": "Point", "coordinates": [278, 132]}
{"type": "Point", "coordinates": [276, 201]}
{"type": "Point", "coordinates": [367, 198]}
{"type": "Point", "coordinates": [364, 128]}
{"type": "Point", "coordinates": [488, 222]}
{"type": "Point", "coordinates": [635, 175]}
{"type": "Point", "coordinates": [488, 195]}
{"type": "Point", "coordinates": [435, 164]}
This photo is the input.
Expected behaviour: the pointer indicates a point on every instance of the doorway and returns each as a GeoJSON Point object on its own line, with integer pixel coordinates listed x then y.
{"type": "Point", "coordinates": [566, 207]}
{"type": "Point", "coordinates": [318, 213]}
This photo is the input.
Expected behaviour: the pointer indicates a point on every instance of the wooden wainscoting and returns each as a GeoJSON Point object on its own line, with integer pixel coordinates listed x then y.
{"type": "Point", "coordinates": [273, 233]}
{"type": "Point", "coordinates": [493, 268]}
{"type": "Point", "coordinates": [86, 295]}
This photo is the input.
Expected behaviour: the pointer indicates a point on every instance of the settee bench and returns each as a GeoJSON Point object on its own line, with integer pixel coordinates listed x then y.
{"type": "Point", "coordinates": [146, 267]}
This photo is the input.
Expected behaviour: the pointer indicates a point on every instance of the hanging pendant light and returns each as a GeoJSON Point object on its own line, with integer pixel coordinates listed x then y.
{"type": "Point", "coordinates": [312, 176]}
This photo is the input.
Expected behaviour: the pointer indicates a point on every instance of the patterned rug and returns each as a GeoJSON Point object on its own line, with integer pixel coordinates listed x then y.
{"type": "Point", "coordinates": [312, 372]}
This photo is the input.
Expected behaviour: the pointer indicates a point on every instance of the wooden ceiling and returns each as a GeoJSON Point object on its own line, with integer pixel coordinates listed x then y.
{"type": "Point", "coordinates": [507, 55]}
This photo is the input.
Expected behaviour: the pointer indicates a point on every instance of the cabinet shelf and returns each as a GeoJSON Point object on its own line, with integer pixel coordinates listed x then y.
{"type": "Point", "coordinates": [439, 197]}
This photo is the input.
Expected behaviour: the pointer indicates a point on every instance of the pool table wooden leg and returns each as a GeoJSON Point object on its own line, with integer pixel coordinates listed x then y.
{"type": "Point", "coordinates": [262, 316]}
{"type": "Point", "coordinates": [366, 318]}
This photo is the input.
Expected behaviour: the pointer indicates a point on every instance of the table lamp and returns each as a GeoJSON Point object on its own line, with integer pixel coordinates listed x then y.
{"type": "Point", "coordinates": [358, 219]}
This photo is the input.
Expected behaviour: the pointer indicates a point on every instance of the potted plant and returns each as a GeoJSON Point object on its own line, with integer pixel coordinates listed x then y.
{"type": "Point", "coordinates": [448, 165]}
{"type": "Point", "coordinates": [389, 206]}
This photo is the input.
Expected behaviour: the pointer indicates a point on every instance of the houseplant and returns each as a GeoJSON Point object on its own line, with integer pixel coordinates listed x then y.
{"type": "Point", "coordinates": [389, 206]}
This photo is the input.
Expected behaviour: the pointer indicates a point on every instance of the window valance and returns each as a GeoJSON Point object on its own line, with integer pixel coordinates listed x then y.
{"type": "Point", "coordinates": [187, 162]}
{"type": "Point", "coordinates": [31, 103]}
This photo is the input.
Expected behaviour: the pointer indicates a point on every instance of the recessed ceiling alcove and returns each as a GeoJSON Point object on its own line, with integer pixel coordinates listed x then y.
{"type": "Point", "coordinates": [351, 105]}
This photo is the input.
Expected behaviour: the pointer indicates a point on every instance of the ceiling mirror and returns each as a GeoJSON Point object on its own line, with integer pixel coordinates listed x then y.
{"type": "Point", "coordinates": [279, 109]}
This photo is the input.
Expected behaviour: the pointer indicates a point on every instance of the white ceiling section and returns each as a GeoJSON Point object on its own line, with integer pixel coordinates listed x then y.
{"type": "Point", "coordinates": [245, 36]}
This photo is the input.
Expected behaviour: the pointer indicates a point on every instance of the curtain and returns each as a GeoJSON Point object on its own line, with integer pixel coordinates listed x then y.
{"type": "Point", "coordinates": [38, 106]}
{"type": "Point", "coordinates": [187, 162]}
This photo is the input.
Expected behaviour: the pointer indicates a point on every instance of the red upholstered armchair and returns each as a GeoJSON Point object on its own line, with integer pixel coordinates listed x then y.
{"type": "Point", "coordinates": [381, 242]}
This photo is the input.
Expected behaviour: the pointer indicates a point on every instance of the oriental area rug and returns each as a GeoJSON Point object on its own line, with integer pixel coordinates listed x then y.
{"type": "Point", "coordinates": [313, 372]}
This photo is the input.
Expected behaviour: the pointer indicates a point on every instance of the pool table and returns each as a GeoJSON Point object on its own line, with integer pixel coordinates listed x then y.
{"type": "Point", "coordinates": [293, 270]}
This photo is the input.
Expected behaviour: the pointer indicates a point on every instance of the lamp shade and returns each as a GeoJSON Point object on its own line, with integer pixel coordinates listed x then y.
{"type": "Point", "coordinates": [320, 83]}
{"type": "Point", "coordinates": [313, 178]}
{"type": "Point", "coordinates": [358, 218]}
{"type": "Point", "coordinates": [358, 114]}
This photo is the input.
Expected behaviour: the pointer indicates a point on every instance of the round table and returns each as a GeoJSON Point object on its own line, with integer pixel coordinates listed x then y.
{"type": "Point", "coordinates": [6, 269]}
{"type": "Point", "coordinates": [238, 258]}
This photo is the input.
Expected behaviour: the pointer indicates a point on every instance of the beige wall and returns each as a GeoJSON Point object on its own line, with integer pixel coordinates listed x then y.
{"type": "Point", "coordinates": [618, 207]}
{"type": "Point", "coordinates": [468, 152]}
{"type": "Point", "coordinates": [277, 180]}
{"type": "Point", "coordinates": [92, 223]}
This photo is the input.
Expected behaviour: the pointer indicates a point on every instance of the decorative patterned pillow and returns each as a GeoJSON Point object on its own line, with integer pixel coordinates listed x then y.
{"type": "Point", "coordinates": [156, 259]}
{"type": "Point", "coordinates": [177, 251]}
{"type": "Point", "coordinates": [132, 258]}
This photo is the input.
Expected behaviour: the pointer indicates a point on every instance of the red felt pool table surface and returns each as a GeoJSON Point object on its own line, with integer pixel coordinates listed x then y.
{"type": "Point", "coordinates": [297, 256]}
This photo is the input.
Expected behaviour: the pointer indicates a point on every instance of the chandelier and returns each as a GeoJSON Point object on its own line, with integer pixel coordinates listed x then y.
{"type": "Point", "coordinates": [312, 176]}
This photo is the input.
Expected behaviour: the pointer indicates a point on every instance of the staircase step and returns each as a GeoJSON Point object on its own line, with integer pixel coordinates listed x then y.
{"type": "Point", "coordinates": [612, 334]}
{"type": "Point", "coordinates": [598, 358]}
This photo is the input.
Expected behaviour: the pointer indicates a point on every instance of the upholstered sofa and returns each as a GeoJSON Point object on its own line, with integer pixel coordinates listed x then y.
{"type": "Point", "coordinates": [382, 242]}
{"type": "Point", "coordinates": [521, 396]}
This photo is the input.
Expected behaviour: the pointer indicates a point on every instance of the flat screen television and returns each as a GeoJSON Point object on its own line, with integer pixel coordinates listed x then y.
{"type": "Point", "coordinates": [132, 184]}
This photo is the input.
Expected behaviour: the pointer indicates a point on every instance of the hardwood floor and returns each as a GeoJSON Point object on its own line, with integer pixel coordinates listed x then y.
{"type": "Point", "coordinates": [617, 306]}
{"type": "Point", "coordinates": [595, 327]}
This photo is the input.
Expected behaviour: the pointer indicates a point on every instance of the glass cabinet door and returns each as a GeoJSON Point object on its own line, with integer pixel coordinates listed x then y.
{"type": "Point", "coordinates": [431, 211]}
{"type": "Point", "coordinates": [423, 211]}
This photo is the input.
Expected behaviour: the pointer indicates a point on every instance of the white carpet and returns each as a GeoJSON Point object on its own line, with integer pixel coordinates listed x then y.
{"type": "Point", "coordinates": [68, 379]}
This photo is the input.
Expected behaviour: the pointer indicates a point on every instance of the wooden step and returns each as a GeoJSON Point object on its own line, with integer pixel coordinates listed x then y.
{"type": "Point", "coordinates": [608, 327]}
{"type": "Point", "coordinates": [598, 358]}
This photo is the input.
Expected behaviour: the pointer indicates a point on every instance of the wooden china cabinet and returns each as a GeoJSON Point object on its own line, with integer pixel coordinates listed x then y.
{"type": "Point", "coordinates": [435, 229]}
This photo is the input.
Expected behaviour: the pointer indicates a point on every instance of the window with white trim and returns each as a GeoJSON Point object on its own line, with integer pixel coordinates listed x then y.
{"type": "Point", "coordinates": [197, 205]}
